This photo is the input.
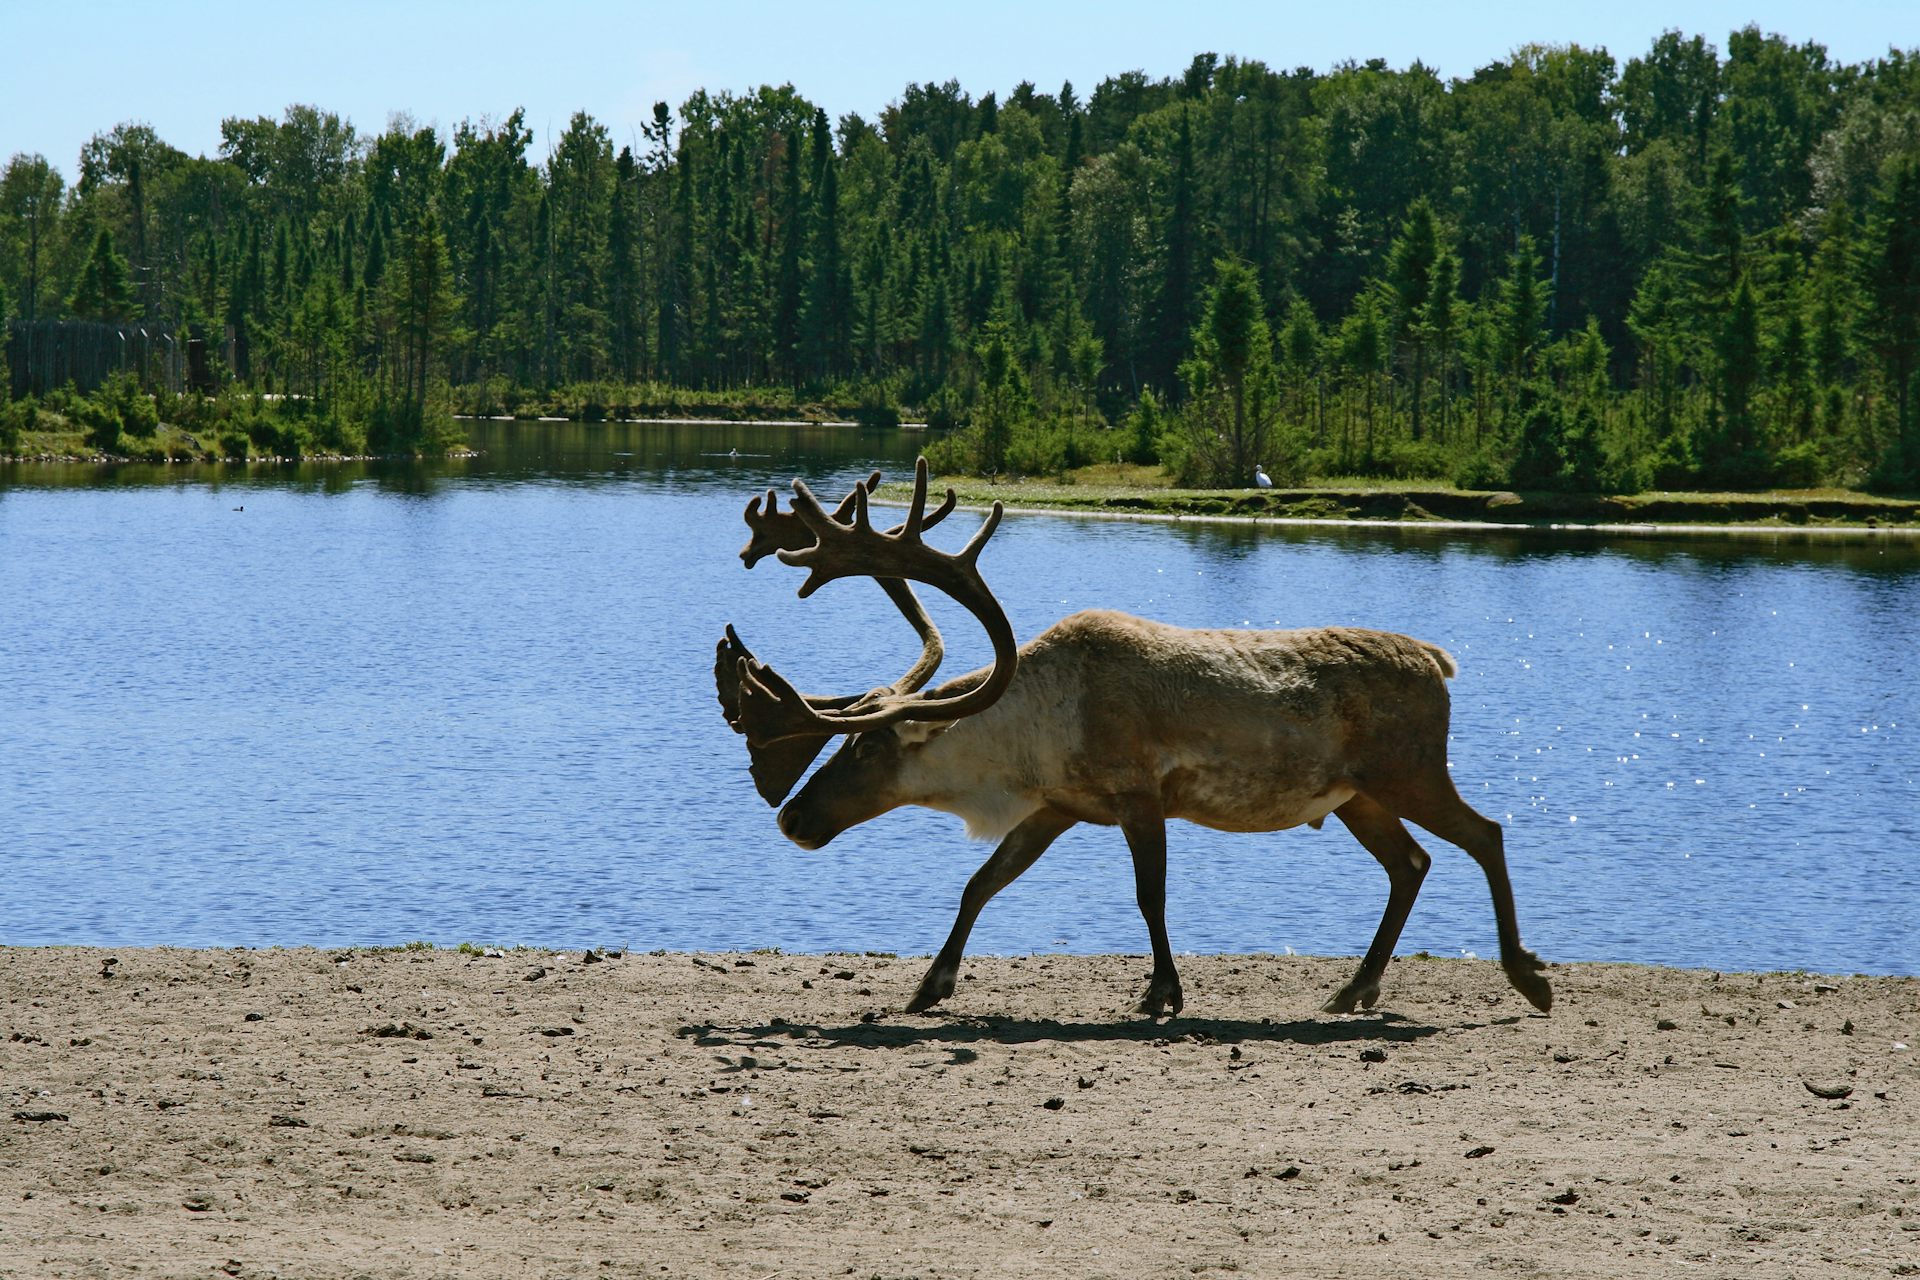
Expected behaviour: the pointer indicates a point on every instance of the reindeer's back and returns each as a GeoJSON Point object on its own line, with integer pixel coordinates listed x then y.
{"type": "Point", "coordinates": [1220, 719]}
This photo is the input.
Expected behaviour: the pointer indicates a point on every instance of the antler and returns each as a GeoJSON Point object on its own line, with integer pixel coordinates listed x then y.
{"type": "Point", "coordinates": [776, 530]}
{"type": "Point", "coordinates": [769, 710]}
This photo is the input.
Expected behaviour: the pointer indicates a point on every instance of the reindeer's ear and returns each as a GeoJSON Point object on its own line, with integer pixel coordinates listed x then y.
{"type": "Point", "coordinates": [778, 765]}
{"type": "Point", "coordinates": [914, 733]}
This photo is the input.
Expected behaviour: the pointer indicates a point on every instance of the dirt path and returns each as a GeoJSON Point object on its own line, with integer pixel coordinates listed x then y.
{"type": "Point", "coordinates": [347, 1114]}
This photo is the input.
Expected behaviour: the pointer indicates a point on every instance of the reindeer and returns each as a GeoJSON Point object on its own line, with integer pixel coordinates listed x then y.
{"type": "Point", "coordinates": [1113, 720]}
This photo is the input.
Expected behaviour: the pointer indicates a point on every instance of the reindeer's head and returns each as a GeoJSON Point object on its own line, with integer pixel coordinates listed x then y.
{"type": "Point", "coordinates": [785, 729]}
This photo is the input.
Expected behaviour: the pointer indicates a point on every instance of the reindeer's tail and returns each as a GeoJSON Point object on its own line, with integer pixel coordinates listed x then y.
{"type": "Point", "coordinates": [1441, 659]}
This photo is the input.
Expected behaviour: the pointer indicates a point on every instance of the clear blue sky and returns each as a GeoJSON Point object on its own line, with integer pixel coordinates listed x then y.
{"type": "Point", "coordinates": [72, 70]}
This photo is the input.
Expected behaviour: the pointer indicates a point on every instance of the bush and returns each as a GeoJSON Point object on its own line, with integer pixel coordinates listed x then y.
{"type": "Point", "coordinates": [1145, 425]}
{"type": "Point", "coordinates": [1580, 450]}
{"type": "Point", "coordinates": [1672, 465]}
{"type": "Point", "coordinates": [102, 422]}
{"type": "Point", "coordinates": [1404, 459]}
{"type": "Point", "coordinates": [233, 444]}
{"type": "Point", "coordinates": [15, 419]}
{"type": "Point", "coordinates": [1539, 461]}
{"type": "Point", "coordinates": [121, 395]}
{"type": "Point", "coordinates": [954, 453]}
{"type": "Point", "coordinates": [333, 434]}
{"type": "Point", "coordinates": [189, 411]}
{"type": "Point", "coordinates": [1800, 466]}
{"type": "Point", "coordinates": [1037, 450]}
{"type": "Point", "coordinates": [1483, 468]}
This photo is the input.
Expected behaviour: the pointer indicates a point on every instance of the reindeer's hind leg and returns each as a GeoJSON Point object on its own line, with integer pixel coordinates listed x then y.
{"type": "Point", "coordinates": [1020, 850]}
{"type": "Point", "coordinates": [1440, 810]}
{"type": "Point", "coordinates": [1387, 839]}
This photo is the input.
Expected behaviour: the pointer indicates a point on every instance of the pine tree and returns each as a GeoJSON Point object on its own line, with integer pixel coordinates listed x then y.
{"type": "Point", "coordinates": [1300, 350]}
{"type": "Point", "coordinates": [1363, 351]}
{"type": "Point", "coordinates": [623, 267]}
{"type": "Point", "coordinates": [827, 320]}
{"type": "Point", "coordinates": [789, 284]}
{"type": "Point", "coordinates": [1522, 309]}
{"type": "Point", "coordinates": [105, 287]}
{"type": "Point", "coordinates": [421, 303]}
{"type": "Point", "coordinates": [1175, 310]}
{"type": "Point", "coordinates": [1230, 411]}
{"type": "Point", "coordinates": [1440, 318]}
{"type": "Point", "coordinates": [1410, 262]}
{"type": "Point", "coordinates": [1730, 456]}
{"type": "Point", "coordinates": [1892, 322]}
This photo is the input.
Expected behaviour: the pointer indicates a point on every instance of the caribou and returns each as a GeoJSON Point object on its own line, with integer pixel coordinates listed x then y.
{"type": "Point", "coordinates": [1113, 720]}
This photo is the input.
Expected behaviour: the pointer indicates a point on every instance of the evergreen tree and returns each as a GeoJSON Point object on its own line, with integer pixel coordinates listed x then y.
{"type": "Point", "coordinates": [30, 218]}
{"type": "Point", "coordinates": [1892, 322]}
{"type": "Point", "coordinates": [1410, 265]}
{"type": "Point", "coordinates": [1522, 309]}
{"type": "Point", "coordinates": [1730, 455]}
{"type": "Point", "coordinates": [421, 308]}
{"type": "Point", "coordinates": [1440, 318]}
{"type": "Point", "coordinates": [1229, 416]}
{"type": "Point", "coordinates": [624, 283]}
{"type": "Point", "coordinates": [789, 284]}
{"type": "Point", "coordinates": [828, 319]}
{"type": "Point", "coordinates": [105, 288]}
{"type": "Point", "coordinates": [1175, 310]}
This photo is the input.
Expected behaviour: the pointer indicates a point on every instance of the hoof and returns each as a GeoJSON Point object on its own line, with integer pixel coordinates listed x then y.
{"type": "Point", "coordinates": [933, 989]}
{"type": "Point", "coordinates": [1534, 987]}
{"type": "Point", "coordinates": [1350, 997]}
{"type": "Point", "coordinates": [1161, 1000]}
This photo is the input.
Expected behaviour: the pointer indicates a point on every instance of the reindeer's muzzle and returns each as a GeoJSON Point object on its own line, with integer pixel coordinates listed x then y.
{"type": "Point", "coordinates": [794, 825]}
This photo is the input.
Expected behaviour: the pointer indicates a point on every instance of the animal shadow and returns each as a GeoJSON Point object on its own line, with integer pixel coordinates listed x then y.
{"type": "Point", "coordinates": [958, 1029]}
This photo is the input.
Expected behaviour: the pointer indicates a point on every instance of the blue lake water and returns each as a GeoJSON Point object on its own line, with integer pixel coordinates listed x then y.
{"type": "Point", "coordinates": [472, 701]}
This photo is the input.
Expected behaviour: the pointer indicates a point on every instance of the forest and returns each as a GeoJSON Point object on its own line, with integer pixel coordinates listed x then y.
{"type": "Point", "coordinates": [1696, 269]}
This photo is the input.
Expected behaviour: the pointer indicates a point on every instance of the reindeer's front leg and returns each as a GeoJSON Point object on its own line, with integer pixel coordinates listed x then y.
{"type": "Point", "coordinates": [1020, 850]}
{"type": "Point", "coordinates": [1146, 832]}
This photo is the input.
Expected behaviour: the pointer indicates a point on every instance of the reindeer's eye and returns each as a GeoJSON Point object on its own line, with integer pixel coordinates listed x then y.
{"type": "Point", "coordinates": [866, 746]}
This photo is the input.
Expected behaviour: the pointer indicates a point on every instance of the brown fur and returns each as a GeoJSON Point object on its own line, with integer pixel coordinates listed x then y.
{"type": "Point", "coordinates": [1120, 721]}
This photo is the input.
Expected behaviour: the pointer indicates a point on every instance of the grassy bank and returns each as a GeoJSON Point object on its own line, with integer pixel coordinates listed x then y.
{"type": "Point", "coordinates": [1146, 491]}
{"type": "Point", "coordinates": [220, 431]}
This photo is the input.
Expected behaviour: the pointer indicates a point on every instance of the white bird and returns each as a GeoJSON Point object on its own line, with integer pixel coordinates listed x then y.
{"type": "Point", "coordinates": [1261, 480]}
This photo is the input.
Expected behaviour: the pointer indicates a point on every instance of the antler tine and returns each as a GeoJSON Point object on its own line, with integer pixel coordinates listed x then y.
{"type": "Point", "coordinates": [771, 711]}
{"type": "Point", "coordinates": [871, 483]}
{"type": "Point", "coordinates": [970, 554]}
{"type": "Point", "coordinates": [941, 512]}
{"type": "Point", "coordinates": [777, 530]}
{"type": "Point", "coordinates": [915, 522]}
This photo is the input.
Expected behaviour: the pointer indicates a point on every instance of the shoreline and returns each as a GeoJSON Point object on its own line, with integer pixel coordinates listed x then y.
{"type": "Point", "coordinates": [1784, 532]}
{"type": "Point", "coordinates": [1785, 515]}
{"type": "Point", "coordinates": [410, 1113]}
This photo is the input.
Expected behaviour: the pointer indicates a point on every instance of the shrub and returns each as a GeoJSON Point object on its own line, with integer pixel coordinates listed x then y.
{"type": "Point", "coordinates": [102, 422]}
{"type": "Point", "coordinates": [121, 395]}
{"type": "Point", "coordinates": [1672, 465]}
{"type": "Point", "coordinates": [1538, 462]}
{"type": "Point", "coordinates": [1483, 468]}
{"type": "Point", "coordinates": [1145, 425]}
{"type": "Point", "coordinates": [1580, 449]}
{"type": "Point", "coordinates": [1800, 466]}
{"type": "Point", "coordinates": [1405, 459]}
{"type": "Point", "coordinates": [15, 419]}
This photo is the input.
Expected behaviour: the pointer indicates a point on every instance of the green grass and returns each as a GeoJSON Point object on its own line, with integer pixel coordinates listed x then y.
{"type": "Point", "coordinates": [1121, 489]}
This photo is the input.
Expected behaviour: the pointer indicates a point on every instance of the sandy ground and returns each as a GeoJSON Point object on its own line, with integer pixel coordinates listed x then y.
{"type": "Point", "coordinates": [415, 1113]}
